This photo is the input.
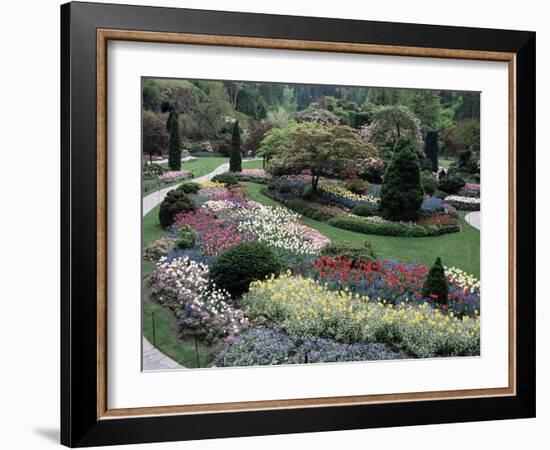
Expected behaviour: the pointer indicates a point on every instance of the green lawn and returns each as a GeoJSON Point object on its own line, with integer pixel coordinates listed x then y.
{"type": "Point", "coordinates": [445, 162]}
{"type": "Point", "coordinates": [165, 337]}
{"type": "Point", "coordinates": [254, 164]}
{"type": "Point", "coordinates": [456, 249]}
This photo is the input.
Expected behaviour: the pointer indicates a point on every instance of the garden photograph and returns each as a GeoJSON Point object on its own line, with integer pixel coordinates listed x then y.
{"type": "Point", "coordinates": [307, 224]}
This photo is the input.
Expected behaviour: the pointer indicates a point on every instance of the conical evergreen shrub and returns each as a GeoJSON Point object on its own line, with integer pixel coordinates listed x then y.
{"type": "Point", "coordinates": [236, 160]}
{"type": "Point", "coordinates": [174, 143]}
{"type": "Point", "coordinates": [436, 285]}
{"type": "Point", "coordinates": [402, 193]}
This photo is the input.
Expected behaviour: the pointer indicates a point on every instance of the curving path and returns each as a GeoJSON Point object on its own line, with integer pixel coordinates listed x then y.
{"type": "Point", "coordinates": [153, 359]}
{"type": "Point", "coordinates": [474, 219]}
{"type": "Point", "coordinates": [154, 198]}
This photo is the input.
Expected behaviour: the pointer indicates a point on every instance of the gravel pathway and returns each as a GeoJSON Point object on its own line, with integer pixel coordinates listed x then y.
{"type": "Point", "coordinates": [474, 219]}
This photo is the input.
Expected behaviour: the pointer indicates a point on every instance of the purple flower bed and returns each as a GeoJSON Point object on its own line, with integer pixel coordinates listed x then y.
{"type": "Point", "coordinates": [265, 346]}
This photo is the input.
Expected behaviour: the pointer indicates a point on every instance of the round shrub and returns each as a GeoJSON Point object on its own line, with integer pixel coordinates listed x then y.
{"type": "Point", "coordinates": [350, 250]}
{"type": "Point", "coordinates": [175, 202]}
{"type": "Point", "coordinates": [308, 193]}
{"type": "Point", "coordinates": [429, 182]}
{"type": "Point", "coordinates": [189, 187]}
{"type": "Point", "coordinates": [241, 264]}
{"type": "Point", "coordinates": [187, 237]}
{"type": "Point", "coordinates": [452, 184]}
{"type": "Point", "coordinates": [365, 209]}
{"type": "Point", "coordinates": [225, 178]}
{"type": "Point", "coordinates": [357, 186]}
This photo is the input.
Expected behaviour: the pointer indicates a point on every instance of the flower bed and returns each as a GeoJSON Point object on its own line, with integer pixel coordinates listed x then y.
{"type": "Point", "coordinates": [470, 190]}
{"type": "Point", "coordinates": [215, 235]}
{"type": "Point", "coordinates": [174, 175]}
{"type": "Point", "coordinates": [336, 193]}
{"type": "Point", "coordinates": [307, 308]}
{"type": "Point", "coordinates": [380, 226]}
{"type": "Point", "coordinates": [254, 175]}
{"type": "Point", "coordinates": [182, 285]}
{"type": "Point", "coordinates": [464, 203]}
{"type": "Point", "coordinates": [397, 282]}
{"type": "Point", "coordinates": [265, 346]}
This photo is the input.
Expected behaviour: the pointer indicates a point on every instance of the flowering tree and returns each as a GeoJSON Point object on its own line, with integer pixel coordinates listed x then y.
{"type": "Point", "coordinates": [389, 123]}
{"type": "Point", "coordinates": [319, 149]}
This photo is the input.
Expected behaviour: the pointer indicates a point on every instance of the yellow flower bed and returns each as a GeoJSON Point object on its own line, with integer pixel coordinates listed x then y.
{"type": "Point", "coordinates": [340, 190]}
{"type": "Point", "coordinates": [211, 184]}
{"type": "Point", "coordinates": [305, 307]}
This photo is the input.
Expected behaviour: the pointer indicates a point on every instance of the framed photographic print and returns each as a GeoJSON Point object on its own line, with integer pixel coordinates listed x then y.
{"type": "Point", "coordinates": [277, 224]}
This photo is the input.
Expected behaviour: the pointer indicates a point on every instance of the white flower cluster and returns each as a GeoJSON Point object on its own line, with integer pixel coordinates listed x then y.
{"type": "Point", "coordinates": [279, 228]}
{"type": "Point", "coordinates": [461, 199]}
{"type": "Point", "coordinates": [462, 279]}
{"type": "Point", "coordinates": [182, 284]}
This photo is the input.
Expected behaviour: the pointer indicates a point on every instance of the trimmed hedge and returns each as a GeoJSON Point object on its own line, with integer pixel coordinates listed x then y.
{"type": "Point", "coordinates": [365, 210]}
{"type": "Point", "coordinates": [387, 228]}
{"type": "Point", "coordinates": [350, 250]}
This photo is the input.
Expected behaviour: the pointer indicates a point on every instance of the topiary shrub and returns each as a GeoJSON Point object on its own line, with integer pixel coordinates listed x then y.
{"type": "Point", "coordinates": [431, 149]}
{"type": "Point", "coordinates": [189, 187]}
{"type": "Point", "coordinates": [436, 285]}
{"type": "Point", "coordinates": [225, 178]}
{"type": "Point", "coordinates": [241, 264]}
{"type": "Point", "coordinates": [365, 209]}
{"type": "Point", "coordinates": [350, 250]}
{"type": "Point", "coordinates": [175, 202]}
{"type": "Point", "coordinates": [451, 184]}
{"type": "Point", "coordinates": [429, 182]}
{"type": "Point", "coordinates": [402, 193]}
{"type": "Point", "coordinates": [187, 237]}
{"type": "Point", "coordinates": [236, 159]}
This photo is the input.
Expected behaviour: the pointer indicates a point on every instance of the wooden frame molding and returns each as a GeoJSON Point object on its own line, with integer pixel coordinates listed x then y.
{"type": "Point", "coordinates": [103, 36]}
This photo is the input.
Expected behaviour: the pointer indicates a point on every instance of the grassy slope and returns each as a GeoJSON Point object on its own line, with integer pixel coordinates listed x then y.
{"type": "Point", "coordinates": [457, 249]}
{"type": "Point", "coordinates": [180, 350]}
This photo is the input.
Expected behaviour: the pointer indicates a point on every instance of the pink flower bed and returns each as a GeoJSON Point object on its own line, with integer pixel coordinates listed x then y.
{"type": "Point", "coordinates": [215, 235]}
{"type": "Point", "coordinates": [255, 173]}
{"type": "Point", "coordinates": [174, 175]}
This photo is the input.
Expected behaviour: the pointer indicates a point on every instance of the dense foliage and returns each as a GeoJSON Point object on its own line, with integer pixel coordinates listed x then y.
{"type": "Point", "coordinates": [243, 263]}
{"type": "Point", "coordinates": [402, 193]}
{"type": "Point", "coordinates": [175, 202]}
{"type": "Point", "coordinates": [236, 159]}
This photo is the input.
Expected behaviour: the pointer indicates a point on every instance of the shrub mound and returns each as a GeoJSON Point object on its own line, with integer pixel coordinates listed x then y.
{"type": "Point", "coordinates": [225, 178]}
{"type": "Point", "coordinates": [388, 228]}
{"type": "Point", "coordinates": [451, 184]}
{"type": "Point", "coordinates": [189, 187]}
{"type": "Point", "coordinates": [175, 202]}
{"type": "Point", "coordinates": [365, 210]}
{"type": "Point", "coordinates": [241, 264]}
{"type": "Point", "coordinates": [349, 250]}
{"type": "Point", "coordinates": [187, 237]}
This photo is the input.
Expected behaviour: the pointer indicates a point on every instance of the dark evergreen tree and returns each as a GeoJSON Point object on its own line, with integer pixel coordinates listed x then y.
{"type": "Point", "coordinates": [431, 149]}
{"type": "Point", "coordinates": [235, 161]}
{"type": "Point", "coordinates": [402, 193]}
{"type": "Point", "coordinates": [174, 143]}
{"type": "Point", "coordinates": [436, 285]}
